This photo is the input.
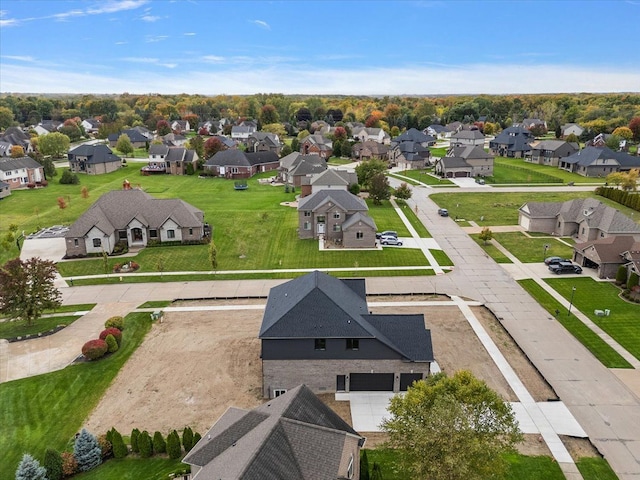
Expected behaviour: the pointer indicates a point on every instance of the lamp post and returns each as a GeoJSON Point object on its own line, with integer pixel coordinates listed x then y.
{"type": "Point", "coordinates": [573, 292]}
{"type": "Point", "coordinates": [546, 247]}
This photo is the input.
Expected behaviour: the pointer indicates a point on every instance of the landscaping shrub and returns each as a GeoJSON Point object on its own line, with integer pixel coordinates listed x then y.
{"type": "Point", "coordinates": [120, 450]}
{"type": "Point", "coordinates": [633, 280]}
{"type": "Point", "coordinates": [69, 178]}
{"type": "Point", "coordinates": [94, 349]}
{"type": "Point", "coordinates": [196, 438]}
{"type": "Point", "coordinates": [112, 343]}
{"type": "Point", "coordinates": [53, 464]}
{"type": "Point", "coordinates": [145, 445]}
{"type": "Point", "coordinates": [44, 183]}
{"type": "Point", "coordinates": [135, 434]}
{"type": "Point", "coordinates": [30, 469]}
{"type": "Point", "coordinates": [31, 185]}
{"type": "Point", "coordinates": [87, 451]}
{"type": "Point", "coordinates": [69, 464]}
{"type": "Point", "coordinates": [187, 439]}
{"type": "Point", "coordinates": [120, 247]}
{"type": "Point", "coordinates": [105, 447]}
{"type": "Point", "coordinates": [159, 445]}
{"type": "Point", "coordinates": [621, 275]}
{"type": "Point", "coordinates": [117, 334]}
{"type": "Point", "coordinates": [364, 466]}
{"type": "Point", "coordinates": [173, 445]}
{"type": "Point", "coordinates": [116, 322]}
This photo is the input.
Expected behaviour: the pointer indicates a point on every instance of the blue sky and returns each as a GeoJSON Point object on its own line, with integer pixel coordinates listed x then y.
{"type": "Point", "coordinates": [319, 47]}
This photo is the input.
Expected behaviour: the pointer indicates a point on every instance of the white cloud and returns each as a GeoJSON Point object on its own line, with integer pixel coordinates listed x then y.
{"type": "Point", "coordinates": [213, 59]}
{"type": "Point", "coordinates": [189, 34]}
{"type": "Point", "coordinates": [121, 43]}
{"type": "Point", "coordinates": [20, 58]}
{"type": "Point", "coordinates": [168, 65]}
{"type": "Point", "coordinates": [411, 80]}
{"type": "Point", "coordinates": [155, 38]}
{"type": "Point", "coordinates": [140, 60]}
{"type": "Point", "coordinates": [150, 18]}
{"type": "Point", "coordinates": [8, 22]}
{"type": "Point", "coordinates": [261, 23]}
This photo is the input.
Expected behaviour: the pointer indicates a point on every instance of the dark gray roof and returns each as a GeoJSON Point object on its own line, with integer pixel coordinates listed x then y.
{"type": "Point", "coordinates": [359, 217]}
{"type": "Point", "coordinates": [8, 163]}
{"type": "Point", "coordinates": [552, 145]}
{"type": "Point", "coordinates": [414, 135]}
{"type": "Point", "coordinates": [95, 154]}
{"type": "Point", "coordinates": [516, 138]}
{"type": "Point", "coordinates": [294, 436]}
{"type": "Point", "coordinates": [468, 134]}
{"type": "Point", "coordinates": [454, 162]}
{"type": "Point", "coordinates": [114, 210]}
{"type": "Point", "coordinates": [261, 158]}
{"type": "Point", "coordinates": [469, 151]}
{"type": "Point", "coordinates": [599, 156]}
{"type": "Point", "coordinates": [346, 200]}
{"type": "Point", "coordinates": [134, 135]}
{"type": "Point", "coordinates": [406, 333]}
{"type": "Point", "coordinates": [158, 149]}
{"type": "Point", "coordinates": [307, 165]}
{"type": "Point", "coordinates": [230, 157]}
{"type": "Point", "coordinates": [437, 128]}
{"type": "Point", "coordinates": [330, 177]}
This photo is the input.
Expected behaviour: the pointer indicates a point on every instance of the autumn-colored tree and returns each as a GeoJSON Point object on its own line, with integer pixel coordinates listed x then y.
{"type": "Point", "coordinates": [485, 235]}
{"type": "Point", "coordinates": [623, 132]}
{"type": "Point", "coordinates": [373, 120]}
{"type": "Point", "coordinates": [17, 151]}
{"type": "Point", "coordinates": [269, 114]}
{"type": "Point", "coordinates": [212, 146]}
{"type": "Point", "coordinates": [392, 113]}
{"type": "Point", "coordinates": [6, 118]}
{"type": "Point", "coordinates": [634, 126]}
{"type": "Point", "coordinates": [340, 133]}
{"type": "Point", "coordinates": [572, 138]}
{"type": "Point", "coordinates": [163, 127]}
{"type": "Point", "coordinates": [275, 128]}
{"type": "Point", "coordinates": [62, 203]}
{"type": "Point", "coordinates": [84, 192]}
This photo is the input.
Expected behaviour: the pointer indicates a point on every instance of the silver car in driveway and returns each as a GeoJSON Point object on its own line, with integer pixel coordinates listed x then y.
{"type": "Point", "coordinates": [389, 240]}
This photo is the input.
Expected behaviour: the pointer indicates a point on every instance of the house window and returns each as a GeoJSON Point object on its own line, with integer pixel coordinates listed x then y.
{"type": "Point", "coordinates": [75, 242]}
{"type": "Point", "coordinates": [171, 234]}
{"type": "Point", "coordinates": [321, 219]}
{"type": "Point", "coordinates": [558, 223]}
{"type": "Point", "coordinates": [359, 235]}
{"type": "Point", "coordinates": [306, 226]}
{"type": "Point", "coordinates": [122, 235]}
{"type": "Point", "coordinates": [337, 228]}
{"type": "Point", "coordinates": [153, 233]}
{"type": "Point", "coordinates": [307, 213]}
{"type": "Point", "coordinates": [336, 215]}
{"type": "Point", "coordinates": [353, 343]}
{"type": "Point", "coordinates": [350, 468]}
{"type": "Point", "coordinates": [97, 242]}
{"type": "Point", "coordinates": [320, 344]}
{"type": "Point", "coordinates": [191, 231]}
{"type": "Point", "coordinates": [582, 233]}
{"type": "Point", "coordinates": [279, 391]}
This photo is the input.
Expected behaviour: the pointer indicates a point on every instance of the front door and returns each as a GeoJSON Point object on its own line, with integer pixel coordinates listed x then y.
{"type": "Point", "coordinates": [136, 235]}
{"type": "Point", "coordinates": [320, 225]}
{"type": "Point", "coordinates": [341, 383]}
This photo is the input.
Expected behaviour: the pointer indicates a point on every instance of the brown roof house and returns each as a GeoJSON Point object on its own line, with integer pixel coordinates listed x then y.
{"type": "Point", "coordinates": [235, 164]}
{"type": "Point", "coordinates": [316, 145]}
{"type": "Point", "coordinates": [370, 150]}
{"type": "Point", "coordinates": [21, 172]}
{"type": "Point", "coordinates": [317, 330]}
{"type": "Point", "coordinates": [136, 218]}
{"type": "Point", "coordinates": [93, 159]}
{"type": "Point", "coordinates": [586, 219]}
{"type": "Point", "coordinates": [292, 437]}
{"type": "Point", "coordinates": [338, 217]}
{"type": "Point", "coordinates": [607, 254]}
{"type": "Point", "coordinates": [264, 142]}
{"type": "Point", "coordinates": [294, 168]}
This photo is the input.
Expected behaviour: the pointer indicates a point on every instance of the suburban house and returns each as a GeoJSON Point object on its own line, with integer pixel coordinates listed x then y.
{"type": "Point", "coordinates": [93, 159]}
{"type": "Point", "coordinates": [467, 137]}
{"type": "Point", "coordinates": [369, 149]}
{"type": "Point", "coordinates": [241, 133]}
{"type": "Point", "coordinates": [453, 167]}
{"type": "Point", "coordinates": [571, 128]}
{"type": "Point", "coordinates": [46, 127]}
{"type": "Point", "coordinates": [410, 155]}
{"type": "Point", "coordinates": [90, 125]}
{"type": "Point", "coordinates": [632, 259]}
{"type": "Point", "coordinates": [14, 136]}
{"type": "Point", "coordinates": [599, 162]}
{"type": "Point", "coordinates": [295, 436]}
{"type": "Point", "coordinates": [172, 160]}
{"type": "Point", "coordinates": [135, 218]}
{"type": "Point", "coordinates": [295, 167]}
{"type": "Point", "coordinates": [5, 189]}
{"type": "Point", "coordinates": [138, 139]}
{"type": "Point", "coordinates": [180, 126]}
{"type": "Point", "coordinates": [20, 172]}
{"type": "Point", "coordinates": [414, 136]}
{"type": "Point", "coordinates": [531, 123]}
{"type": "Point", "coordinates": [363, 134]}
{"type": "Point", "coordinates": [174, 139]}
{"type": "Point", "coordinates": [316, 144]}
{"type": "Point", "coordinates": [607, 254]}
{"type": "Point", "coordinates": [330, 179]}
{"type": "Point", "coordinates": [511, 142]}
{"type": "Point", "coordinates": [317, 329]}
{"type": "Point", "coordinates": [451, 128]}
{"type": "Point", "coordinates": [481, 162]}
{"type": "Point", "coordinates": [264, 142]}
{"type": "Point", "coordinates": [549, 152]}
{"type": "Point", "coordinates": [585, 219]}
{"type": "Point", "coordinates": [338, 216]}
{"type": "Point", "coordinates": [434, 130]}
{"type": "Point", "coordinates": [238, 164]}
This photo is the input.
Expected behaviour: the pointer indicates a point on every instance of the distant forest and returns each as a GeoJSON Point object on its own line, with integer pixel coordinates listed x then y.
{"type": "Point", "coordinates": [598, 113]}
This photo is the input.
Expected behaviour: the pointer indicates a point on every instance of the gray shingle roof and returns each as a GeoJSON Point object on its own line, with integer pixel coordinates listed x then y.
{"type": "Point", "coordinates": [158, 149]}
{"type": "Point", "coordinates": [406, 333]}
{"type": "Point", "coordinates": [95, 154]}
{"type": "Point", "coordinates": [329, 177]}
{"type": "Point", "coordinates": [346, 200]}
{"type": "Point", "coordinates": [359, 217]}
{"type": "Point", "coordinates": [261, 158]}
{"type": "Point", "coordinates": [469, 152]}
{"type": "Point", "coordinates": [294, 436]}
{"type": "Point", "coordinates": [229, 157]}
{"type": "Point", "coordinates": [134, 135]}
{"type": "Point", "coordinates": [468, 135]}
{"type": "Point", "coordinates": [414, 135]}
{"type": "Point", "coordinates": [599, 155]}
{"type": "Point", "coordinates": [454, 162]}
{"type": "Point", "coordinates": [307, 165]}
{"type": "Point", "coordinates": [9, 163]}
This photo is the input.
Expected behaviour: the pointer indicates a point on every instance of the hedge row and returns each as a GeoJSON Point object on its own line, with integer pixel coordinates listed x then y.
{"type": "Point", "coordinates": [628, 199]}
{"type": "Point", "coordinates": [108, 341]}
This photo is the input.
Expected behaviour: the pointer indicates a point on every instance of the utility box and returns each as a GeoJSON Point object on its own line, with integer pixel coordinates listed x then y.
{"type": "Point", "coordinates": [607, 312]}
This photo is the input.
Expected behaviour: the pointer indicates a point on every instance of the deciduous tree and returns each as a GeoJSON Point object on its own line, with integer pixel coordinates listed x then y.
{"type": "Point", "coordinates": [634, 126]}
{"type": "Point", "coordinates": [212, 146]}
{"type": "Point", "coordinates": [403, 192]}
{"type": "Point", "coordinates": [163, 127]}
{"type": "Point", "coordinates": [368, 169]}
{"type": "Point", "coordinates": [17, 151]}
{"type": "Point", "coordinates": [6, 118]}
{"type": "Point", "coordinates": [485, 235]}
{"type": "Point", "coordinates": [55, 144]}
{"type": "Point", "coordinates": [27, 288]}
{"type": "Point", "coordinates": [379, 188]}
{"type": "Point", "coordinates": [269, 114]}
{"type": "Point", "coordinates": [452, 428]}
{"type": "Point", "coordinates": [124, 145]}
{"type": "Point", "coordinates": [275, 128]}
{"type": "Point", "coordinates": [213, 256]}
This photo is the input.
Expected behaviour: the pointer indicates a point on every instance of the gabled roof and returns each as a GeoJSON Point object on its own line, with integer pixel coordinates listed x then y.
{"type": "Point", "coordinates": [8, 163]}
{"type": "Point", "coordinates": [322, 142]}
{"type": "Point", "coordinates": [375, 147]}
{"type": "Point", "coordinates": [347, 201]}
{"type": "Point", "coordinates": [95, 154]}
{"type": "Point", "coordinates": [292, 437]}
{"type": "Point", "coordinates": [176, 154]}
{"type": "Point", "coordinates": [265, 137]}
{"type": "Point", "coordinates": [307, 165]}
{"type": "Point", "coordinates": [468, 135]}
{"type": "Point", "coordinates": [414, 135]}
{"type": "Point", "coordinates": [552, 145]}
{"type": "Point", "coordinates": [230, 157]}
{"type": "Point", "coordinates": [437, 128]}
{"type": "Point", "coordinates": [329, 177]}
{"type": "Point", "coordinates": [158, 149]}
{"type": "Point", "coordinates": [608, 249]}
{"type": "Point", "coordinates": [359, 217]}
{"type": "Point", "coordinates": [287, 161]}
{"type": "Point", "coordinates": [454, 162]}
{"type": "Point", "coordinates": [261, 158]}
{"type": "Point", "coordinates": [600, 155]}
{"type": "Point", "coordinates": [467, 152]}
{"type": "Point", "coordinates": [134, 135]}
{"type": "Point", "coordinates": [516, 138]}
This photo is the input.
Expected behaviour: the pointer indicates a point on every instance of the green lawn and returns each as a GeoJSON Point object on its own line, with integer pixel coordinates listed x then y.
{"type": "Point", "coordinates": [47, 410]}
{"type": "Point", "coordinates": [441, 257]}
{"type": "Point", "coordinates": [623, 325]}
{"type": "Point", "coordinates": [155, 304]}
{"type": "Point", "coordinates": [19, 328]}
{"type": "Point", "coordinates": [425, 177]}
{"type": "Point", "coordinates": [596, 345]}
{"type": "Point", "coordinates": [438, 151]}
{"type": "Point", "coordinates": [491, 250]}
{"type": "Point", "coordinates": [413, 219]}
{"type": "Point", "coordinates": [507, 173]}
{"type": "Point", "coordinates": [386, 218]}
{"type": "Point", "coordinates": [501, 208]}
{"type": "Point", "coordinates": [534, 168]}
{"type": "Point", "coordinates": [595, 469]}
{"type": "Point", "coordinates": [408, 181]}
{"type": "Point", "coordinates": [529, 250]}
{"type": "Point", "coordinates": [134, 469]}
{"type": "Point", "coordinates": [339, 161]}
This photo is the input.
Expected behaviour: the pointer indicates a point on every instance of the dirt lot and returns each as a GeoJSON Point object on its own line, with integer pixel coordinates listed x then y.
{"type": "Point", "coordinates": [193, 366]}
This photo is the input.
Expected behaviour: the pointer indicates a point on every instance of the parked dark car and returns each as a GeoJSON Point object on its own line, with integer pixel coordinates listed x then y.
{"type": "Point", "coordinates": [555, 260]}
{"type": "Point", "coordinates": [386, 233]}
{"type": "Point", "coordinates": [390, 240]}
{"type": "Point", "coordinates": [443, 212]}
{"type": "Point", "coordinates": [565, 267]}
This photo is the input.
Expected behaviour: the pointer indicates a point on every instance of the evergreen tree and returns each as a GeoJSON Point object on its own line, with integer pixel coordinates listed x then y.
{"type": "Point", "coordinates": [621, 275]}
{"type": "Point", "coordinates": [364, 466]}
{"type": "Point", "coordinates": [173, 445]}
{"type": "Point", "coordinates": [120, 450]}
{"type": "Point", "coordinates": [196, 438]}
{"type": "Point", "coordinates": [30, 469]}
{"type": "Point", "coordinates": [187, 439]}
{"type": "Point", "coordinates": [53, 464]}
{"type": "Point", "coordinates": [135, 433]}
{"type": "Point", "coordinates": [159, 445]}
{"type": "Point", "coordinates": [87, 451]}
{"type": "Point", "coordinates": [377, 472]}
{"type": "Point", "coordinates": [145, 445]}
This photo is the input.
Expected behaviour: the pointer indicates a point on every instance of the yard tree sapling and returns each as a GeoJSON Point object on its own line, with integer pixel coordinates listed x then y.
{"type": "Point", "coordinates": [379, 189]}
{"type": "Point", "coordinates": [120, 450]}
{"type": "Point", "coordinates": [403, 192]}
{"type": "Point", "coordinates": [196, 438]}
{"type": "Point", "coordinates": [135, 434]}
{"type": "Point", "coordinates": [187, 439]}
{"type": "Point", "coordinates": [124, 145]}
{"type": "Point", "coordinates": [87, 451]}
{"type": "Point", "coordinates": [145, 445]}
{"type": "Point", "coordinates": [213, 256]}
{"type": "Point", "coordinates": [17, 151]}
{"type": "Point", "coordinates": [159, 445]}
{"type": "Point", "coordinates": [452, 428]}
{"type": "Point", "coordinates": [53, 464]}
{"type": "Point", "coordinates": [173, 445]}
{"type": "Point", "coordinates": [30, 469]}
{"type": "Point", "coordinates": [112, 344]}
{"type": "Point", "coordinates": [27, 288]}
{"type": "Point", "coordinates": [485, 235]}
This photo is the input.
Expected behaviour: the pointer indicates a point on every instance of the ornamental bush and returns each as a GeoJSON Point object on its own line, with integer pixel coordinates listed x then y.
{"type": "Point", "coordinates": [159, 445]}
{"type": "Point", "coordinates": [196, 438]}
{"type": "Point", "coordinates": [69, 464]}
{"type": "Point", "coordinates": [135, 434]}
{"type": "Point", "coordinates": [117, 334]}
{"type": "Point", "coordinates": [621, 275]}
{"type": "Point", "coordinates": [94, 349]}
{"type": "Point", "coordinates": [112, 343]}
{"type": "Point", "coordinates": [120, 450]}
{"type": "Point", "coordinates": [187, 439]}
{"type": "Point", "coordinates": [53, 464]}
{"type": "Point", "coordinates": [87, 451]}
{"type": "Point", "coordinates": [145, 445]}
{"type": "Point", "coordinates": [105, 446]}
{"type": "Point", "coordinates": [30, 469]}
{"type": "Point", "coordinates": [116, 322]}
{"type": "Point", "coordinates": [173, 445]}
